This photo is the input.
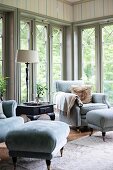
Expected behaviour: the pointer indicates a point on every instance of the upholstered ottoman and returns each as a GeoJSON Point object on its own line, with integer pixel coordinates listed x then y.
{"type": "Point", "coordinates": [101, 119]}
{"type": "Point", "coordinates": [37, 139]}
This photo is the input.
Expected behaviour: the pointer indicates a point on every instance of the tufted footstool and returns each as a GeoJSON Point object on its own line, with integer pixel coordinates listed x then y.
{"type": "Point", "coordinates": [101, 119]}
{"type": "Point", "coordinates": [37, 139]}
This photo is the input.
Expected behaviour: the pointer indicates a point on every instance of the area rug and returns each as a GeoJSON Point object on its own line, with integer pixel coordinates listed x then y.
{"type": "Point", "coordinates": [86, 153]}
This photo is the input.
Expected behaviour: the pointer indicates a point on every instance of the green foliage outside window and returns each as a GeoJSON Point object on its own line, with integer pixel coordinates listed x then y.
{"type": "Point", "coordinates": [107, 51]}
{"type": "Point", "coordinates": [3, 84]}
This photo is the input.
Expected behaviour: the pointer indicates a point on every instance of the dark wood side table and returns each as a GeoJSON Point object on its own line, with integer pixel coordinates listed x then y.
{"type": "Point", "coordinates": [33, 110]}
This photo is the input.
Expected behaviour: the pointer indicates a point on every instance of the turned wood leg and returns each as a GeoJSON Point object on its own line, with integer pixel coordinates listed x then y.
{"type": "Point", "coordinates": [91, 129]}
{"type": "Point", "coordinates": [61, 151]}
{"type": "Point", "coordinates": [103, 136]}
{"type": "Point", "coordinates": [14, 162]}
{"type": "Point", "coordinates": [48, 163]}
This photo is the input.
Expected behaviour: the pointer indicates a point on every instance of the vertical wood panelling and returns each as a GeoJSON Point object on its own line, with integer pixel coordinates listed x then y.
{"type": "Point", "coordinates": [42, 7]}
{"type": "Point", "coordinates": [9, 2]}
{"type": "Point", "coordinates": [60, 10]}
{"type": "Point", "coordinates": [108, 7]}
{"type": "Point", "coordinates": [30, 5]}
{"type": "Point", "coordinates": [88, 10]}
{"type": "Point", "coordinates": [52, 8]}
{"type": "Point", "coordinates": [36, 6]}
{"type": "Point", "coordinates": [98, 8]}
{"type": "Point", "coordinates": [77, 12]}
{"type": "Point", "coordinates": [22, 4]}
{"type": "Point", "coordinates": [68, 12]}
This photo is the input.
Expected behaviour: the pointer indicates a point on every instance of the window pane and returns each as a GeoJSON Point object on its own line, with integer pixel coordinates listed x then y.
{"type": "Point", "coordinates": [24, 45]}
{"type": "Point", "coordinates": [57, 53]}
{"type": "Point", "coordinates": [41, 46]}
{"type": "Point", "coordinates": [88, 57]}
{"type": "Point", "coordinates": [107, 47]}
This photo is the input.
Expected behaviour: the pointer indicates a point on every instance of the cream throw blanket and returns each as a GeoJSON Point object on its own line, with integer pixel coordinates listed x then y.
{"type": "Point", "coordinates": [65, 101]}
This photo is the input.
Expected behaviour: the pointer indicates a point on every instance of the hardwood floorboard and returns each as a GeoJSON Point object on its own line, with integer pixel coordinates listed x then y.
{"type": "Point", "coordinates": [75, 134]}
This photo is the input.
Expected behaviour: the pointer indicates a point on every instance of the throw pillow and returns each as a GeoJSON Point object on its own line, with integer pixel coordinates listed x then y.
{"type": "Point", "coordinates": [84, 92]}
{"type": "Point", "coordinates": [2, 116]}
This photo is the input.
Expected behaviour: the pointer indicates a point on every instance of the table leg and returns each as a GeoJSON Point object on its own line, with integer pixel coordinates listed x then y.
{"type": "Point", "coordinates": [51, 115]}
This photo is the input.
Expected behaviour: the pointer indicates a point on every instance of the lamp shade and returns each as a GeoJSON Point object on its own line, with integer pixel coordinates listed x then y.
{"type": "Point", "coordinates": [27, 56]}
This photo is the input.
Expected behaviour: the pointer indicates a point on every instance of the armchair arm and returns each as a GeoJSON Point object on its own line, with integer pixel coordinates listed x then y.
{"type": "Point", "coordinates": [9, 108]}
{"type": "Point", "coordinates": [74, 119]}
{"type": "Point", "coordinates": [100, 98]}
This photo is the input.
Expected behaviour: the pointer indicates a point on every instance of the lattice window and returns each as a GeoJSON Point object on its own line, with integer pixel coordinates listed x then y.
{"type": "Point", "coordinates": [41, 46]}
{"type": "Point", "coordinates": [24, 45]}
{"type": "Point", "coordinates": [107, 51]}
{"type": "Point", "coordinates": [56, 53]}
{"type": "Point", "coordinates": [88, 57]}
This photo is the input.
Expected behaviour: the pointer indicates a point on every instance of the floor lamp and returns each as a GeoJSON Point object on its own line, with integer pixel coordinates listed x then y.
{"type": "Point", "coordinates": [27, 57]}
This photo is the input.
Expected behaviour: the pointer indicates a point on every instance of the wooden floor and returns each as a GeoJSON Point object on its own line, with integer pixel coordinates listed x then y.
{"type": "Point", "coordinates": [75, 134]}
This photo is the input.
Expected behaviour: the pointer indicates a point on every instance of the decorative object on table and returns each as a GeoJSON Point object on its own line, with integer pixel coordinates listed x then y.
{"type": "Point", "coordinates": [27, 57]}
{"type": "Point", "coordinates": [3, 84]}
{"type": "Point", "coordinates": [40, 90]}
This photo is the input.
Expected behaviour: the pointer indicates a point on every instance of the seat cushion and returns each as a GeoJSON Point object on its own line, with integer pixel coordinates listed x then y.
{"type": "Point", "coordinates": [92, 106]}
{"type": "Point", "coordinates": [102, 119]}
{"type": "Point", "coordinates": [38, 136]}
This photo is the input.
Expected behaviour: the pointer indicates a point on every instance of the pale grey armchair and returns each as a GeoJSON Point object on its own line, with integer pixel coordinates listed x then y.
{"type": "Point", "coordinates": [77, 116]}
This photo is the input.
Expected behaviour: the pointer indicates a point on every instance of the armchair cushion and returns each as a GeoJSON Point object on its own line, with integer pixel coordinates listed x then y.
{"type": "Point", "coordinates": [92, 106]}
{"type": "Point", "coordinates": [65, 86]}
{"type": "Point", "coordinates": [84, 92]}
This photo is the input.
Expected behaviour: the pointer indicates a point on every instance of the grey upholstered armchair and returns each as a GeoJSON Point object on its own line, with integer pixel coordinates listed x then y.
{"type": "Point", "coordinates": [77, 116]}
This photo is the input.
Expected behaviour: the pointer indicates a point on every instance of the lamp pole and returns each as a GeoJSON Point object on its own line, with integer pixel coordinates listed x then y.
{"type": "Point", "coordinates": [27, 80]}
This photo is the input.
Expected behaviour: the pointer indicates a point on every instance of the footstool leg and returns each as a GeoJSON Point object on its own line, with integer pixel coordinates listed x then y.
{"type": "Point", "coordinates": [91, 129]}
{"type": "Point", "coordinates": [14, 162]}
{"type": "Point", "coordinates": [103, 136]}
{"type": "Point", "coordinates": [48, 163]}
{"type": "Point", "coordinates": [61, 151]}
